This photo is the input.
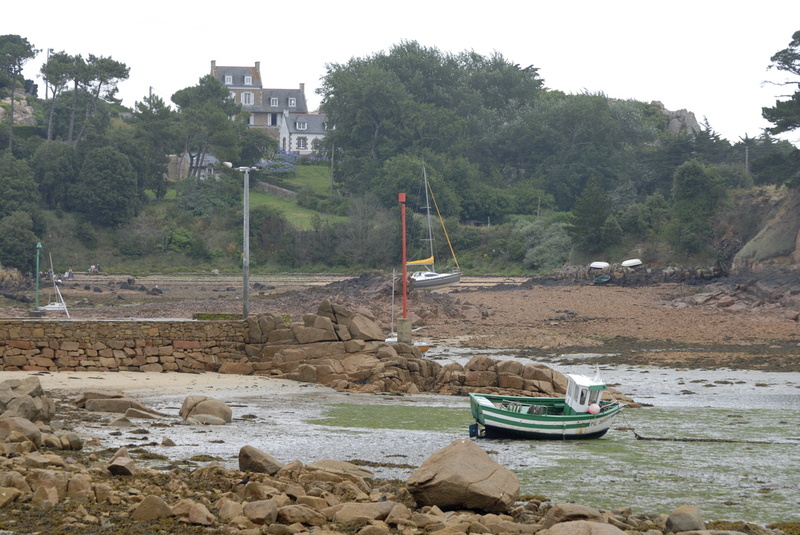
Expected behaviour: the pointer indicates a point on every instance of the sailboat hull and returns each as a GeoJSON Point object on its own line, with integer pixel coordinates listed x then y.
{"type": "Point", "coordinates": [430, 280]}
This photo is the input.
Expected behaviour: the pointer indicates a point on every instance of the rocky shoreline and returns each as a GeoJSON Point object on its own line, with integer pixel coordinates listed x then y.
{"type": "Point", "coordinates": [691, 325]}
{"type": "Point", "coordinates": [80, 486]}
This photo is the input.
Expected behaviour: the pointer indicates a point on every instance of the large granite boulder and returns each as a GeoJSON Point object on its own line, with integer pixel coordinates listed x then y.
{"type": "Point", "coordinates": [111, 401]}
{"type": "Point", "coordinates": [197, 406]}
{"type": "Point", "coordinates": [16, 428]}
{"type": "Point", "coordinates": [462, 475]}
{"type": "Point", "coordinates": [254, 460]}
{"type": "Point", "coordinates": [685, 518]}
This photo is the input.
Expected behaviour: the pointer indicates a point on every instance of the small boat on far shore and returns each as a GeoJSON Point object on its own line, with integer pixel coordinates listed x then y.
{"type": "Point", "coordinates": [581, 414]}
{"type": "Point", "coordinates": [633, 262]}
{"type": "Point", "coordinates": [421, 346]}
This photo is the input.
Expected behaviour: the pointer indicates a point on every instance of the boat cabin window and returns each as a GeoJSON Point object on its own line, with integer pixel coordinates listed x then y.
{"type": "Point", "coordinates": [582, 400]}
{"type": "Point", "coordinates": [595, 395]}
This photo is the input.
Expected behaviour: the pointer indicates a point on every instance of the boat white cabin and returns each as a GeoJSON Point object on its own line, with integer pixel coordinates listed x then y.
{"type": "Point", "coordinates": [583, 393]}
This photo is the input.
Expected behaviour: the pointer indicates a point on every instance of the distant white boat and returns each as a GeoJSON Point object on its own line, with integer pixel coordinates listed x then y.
{"type": "Point", "coordinates": [633, 262]}
{"type": "Point", "coordinates": [54, 306]}
{"type": "Point", "coordinates": [421, 346]}
{"type": "Point", "coordinates": [599, 265]}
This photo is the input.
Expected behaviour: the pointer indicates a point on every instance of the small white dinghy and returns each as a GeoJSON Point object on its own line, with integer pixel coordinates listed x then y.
{"type": "Point", "coordinates": [599, 265]}
{"type": "Point", "coordinates": [633, 262]}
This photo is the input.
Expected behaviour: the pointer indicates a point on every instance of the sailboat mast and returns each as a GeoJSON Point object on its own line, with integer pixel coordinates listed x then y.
{"type": "Point", "coordinates": [428, 208]}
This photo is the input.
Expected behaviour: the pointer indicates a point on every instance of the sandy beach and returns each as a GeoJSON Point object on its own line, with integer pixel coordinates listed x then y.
{"type": "Point", "coordinates": [142, 384]}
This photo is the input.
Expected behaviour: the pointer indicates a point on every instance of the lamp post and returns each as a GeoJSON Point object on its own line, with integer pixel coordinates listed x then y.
{"type": "Point", "coordinates": [245, 238]}
{"type": "Point", "coordinates": [38, 251]}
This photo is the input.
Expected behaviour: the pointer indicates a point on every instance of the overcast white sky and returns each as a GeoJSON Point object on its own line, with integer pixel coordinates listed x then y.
{"type": "Point", "coordinates": [707, 56]}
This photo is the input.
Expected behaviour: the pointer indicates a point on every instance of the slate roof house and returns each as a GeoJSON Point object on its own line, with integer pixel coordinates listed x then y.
{"type": "Point", "coordinates": [301, 133]}
{"type": "Point", "coordinates": [269, 109]}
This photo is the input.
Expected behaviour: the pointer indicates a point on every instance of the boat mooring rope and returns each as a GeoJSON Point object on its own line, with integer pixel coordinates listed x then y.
{"type": "Point", "coordinates": [684, 439]}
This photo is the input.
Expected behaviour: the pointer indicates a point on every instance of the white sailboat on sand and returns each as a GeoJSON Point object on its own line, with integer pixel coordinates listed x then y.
{"type": "Point", "coordinates": [59, 305]}
{"type": "Point", "coordinates": [430, 279]}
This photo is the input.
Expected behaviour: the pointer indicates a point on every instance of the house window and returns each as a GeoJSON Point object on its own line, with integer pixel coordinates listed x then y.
{"type": "Point", "coordinates": [301, 126]}
{"type": "Point", "coordinates": [228, 79]}
{"type": "Point", "coordinates": [248, 80]}
{"type": "Point", "coordinates": [251, 120]}
{"type": "Point", "coordinates": [247, 98]}
{"type": "Point", "coordinates": [273, 101]}
{"type": "Point", "coordinates": [302, 143]}
{"type": "Point", "coordinates": [292, 102]}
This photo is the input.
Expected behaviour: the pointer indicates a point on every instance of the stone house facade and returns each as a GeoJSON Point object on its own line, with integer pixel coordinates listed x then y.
{"type": "Point", "coordinates": [267, 108]}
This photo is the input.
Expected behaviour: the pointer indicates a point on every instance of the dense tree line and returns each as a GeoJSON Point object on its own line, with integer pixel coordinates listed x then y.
{"type": "Point", "coordinates": [499, 145]}
{"type": "Point", "coordinates": [548, 174]}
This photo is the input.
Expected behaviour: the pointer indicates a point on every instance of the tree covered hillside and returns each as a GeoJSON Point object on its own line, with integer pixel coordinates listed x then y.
{"type": "Point", "coordinates": [528, 178]}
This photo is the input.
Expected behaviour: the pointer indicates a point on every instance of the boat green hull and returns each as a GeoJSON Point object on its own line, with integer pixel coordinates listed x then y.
{"type": "Point", "coordinates": [539, 418]}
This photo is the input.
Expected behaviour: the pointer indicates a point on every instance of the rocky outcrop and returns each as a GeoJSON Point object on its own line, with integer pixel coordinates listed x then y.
{"type": "Point", "coordinates": [749, 295]}
{"type": "Point", "coordinates": [679, 122]}
{"type": "Point", "coordinates": [25, 398]}
{"type": "Point", "coordinates": [777, 242]}
{"type": "Point", "coordinates": [25, 407]}
{"type": "Point", "coordinates": [463, 476]}
{"type": "Point", "coordinates": [24, 114]}
{"type": "Point", "coordinates": [344, 349]}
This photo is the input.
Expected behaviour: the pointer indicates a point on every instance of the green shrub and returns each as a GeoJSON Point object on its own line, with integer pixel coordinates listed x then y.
{"type": "Point", "coordinates": [198, 250]}
{"type": "Point", "coordinates": [84, 233]}
{"type": "Point", "coordinates": [177, 239]}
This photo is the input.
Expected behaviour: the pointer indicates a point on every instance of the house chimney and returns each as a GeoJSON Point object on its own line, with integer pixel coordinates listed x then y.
{"type": "Point", "coordinates": [303, 88]}
{"type": "Point", "coordinates": [213, 65]}
{"type": "Point", "coordinates": [258, 67]}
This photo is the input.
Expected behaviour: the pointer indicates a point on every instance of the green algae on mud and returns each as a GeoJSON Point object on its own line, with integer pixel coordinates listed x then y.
{"type": "Point", "coordinates": [380, 416]}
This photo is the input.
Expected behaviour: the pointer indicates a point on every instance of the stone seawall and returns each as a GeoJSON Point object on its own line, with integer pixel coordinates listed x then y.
{"type": "Point", "coordinates": [154, 346]}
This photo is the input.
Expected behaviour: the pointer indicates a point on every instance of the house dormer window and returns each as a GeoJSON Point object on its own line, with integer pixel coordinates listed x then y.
{"type": "Point", "coordinates": [247, 98]}
{"type": "Point", "coordinates": [248, 80]}
{"type": "Point", "coordinates": [292, 102]}
{"type": "Point", "coordinates": [301, 125]}
{"type": "Point", "coordinates": [228, 79]}
{"type": "Point", "coordinates": [273, 101]}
